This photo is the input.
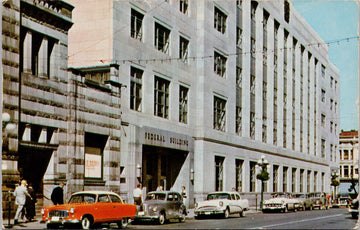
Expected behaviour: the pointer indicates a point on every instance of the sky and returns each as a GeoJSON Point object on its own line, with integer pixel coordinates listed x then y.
{"type": "Point", "coordinates": [336, 20]}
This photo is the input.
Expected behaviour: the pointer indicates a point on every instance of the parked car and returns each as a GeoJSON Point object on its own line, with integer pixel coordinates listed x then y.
{"type": "Point", "coordinates": [354, 208]}
{"type": "Point", "coordinates": [161, 206]}
{"type": "Point", "coordinates": [343, 201]}
{"type": "Point", "coordinates": [222, 203]}
{"type": "Point", "coordinates": [89, 208]}
{"type": "Point", "coordinates": [305, 203]}
{"type": "Point", "coordinates": [319, 200]}
{"type": "Point", "coordinates": [280, 201]}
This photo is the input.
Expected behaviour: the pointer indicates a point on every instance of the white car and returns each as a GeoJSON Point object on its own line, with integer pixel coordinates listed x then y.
{"type": "Point", "coordinates": [280, 201]}
{"type": "Point", "coordinates": [222, 203]}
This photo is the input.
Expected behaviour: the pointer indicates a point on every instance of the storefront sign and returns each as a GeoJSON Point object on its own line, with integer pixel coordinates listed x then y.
{"type": "Point", "coordinates": [92, 165]}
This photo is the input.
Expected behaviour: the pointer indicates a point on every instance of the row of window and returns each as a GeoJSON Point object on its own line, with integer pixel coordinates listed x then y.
{"type": "Point", "coordinates": [276, 175]}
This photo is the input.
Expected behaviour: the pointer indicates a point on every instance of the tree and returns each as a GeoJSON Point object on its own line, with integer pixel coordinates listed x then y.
{"type": "Point", "coordinates": [334, 182]}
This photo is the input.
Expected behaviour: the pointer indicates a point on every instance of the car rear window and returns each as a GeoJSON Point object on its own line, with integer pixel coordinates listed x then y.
{"type": "Point", "coordinates": [156, 196]}
{"type": "Point", "coordinates": [79, 198]}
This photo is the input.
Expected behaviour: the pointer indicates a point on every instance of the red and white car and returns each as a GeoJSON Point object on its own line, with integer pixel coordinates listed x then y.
{"type": "Point", "coordinates": [89, 208]}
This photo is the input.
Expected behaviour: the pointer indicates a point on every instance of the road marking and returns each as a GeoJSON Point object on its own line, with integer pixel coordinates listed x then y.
{"type": "Point", "coordinates": [297, 221]}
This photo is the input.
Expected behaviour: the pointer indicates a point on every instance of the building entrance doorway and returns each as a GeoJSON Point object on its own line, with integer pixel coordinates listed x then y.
{"type": "Point", "coordinates": [161, 166]}
{"type": "Point", "coordinates": [33, 163]}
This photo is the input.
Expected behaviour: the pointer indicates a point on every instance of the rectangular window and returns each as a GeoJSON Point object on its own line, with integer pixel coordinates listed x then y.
{"type": "Point", "coordinates": [323, 120]}
{"type": "Point", "coordinates": [238, 36]}
{"type": "Point", "coordinates": [275, 177]}
{"type": "Point", "coordinates": [239, 174]}
{"type": "Point", "coordinates": [293, 180]}
{"type": "Point", "coordinates": [94, 151]}
{"type": "Point", "coordinates": [301, 180]}
{"type": "Point", "coordinates": [323, 147]}
{"type": "Point", "coordinates": [238, 119]}
{"type": "Point", "coordinates": [161, 97]}
{"type": "Point", "coordinates": [219, 64]}
{"type": "Point", "coordinates": [184, 6]}
{"type": "Point", "coordinates": [252, 176]}
{"type": "Point", "coordinates": [219, 166]}
{"type": "Point", "coordinates": [162, 38]}
{"type": "Point", "coordinates": [219, 20]}
{"type": "Point", "coordinates": [136, 24]}
{"type": "Point", "coordinates": [183, 51]}
{"type": "Point", "coordinates": [136, 89]}
{"type": "Point", "coordinates": [219, 114]}
{"type": "Point", "coordinates": [315, 181]}
{"type": "Point", "coordinates": [323, 94]}
{"type": "Point", "coordinates": [285, 173]}
{"type": "Point", "coordinates": [346, 154]}
{"type": "Point", "coordinates": [323, 181]}
{"type": "Point", "coordinates": [183, 104]}
{"type": "Point", "coordinates": [308, 181]}
{"type": "Point", "coordinates": [323, 71]}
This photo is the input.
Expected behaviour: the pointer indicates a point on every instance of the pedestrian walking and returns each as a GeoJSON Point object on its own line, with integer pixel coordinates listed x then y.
{"type": "Point", "coordinates": [20, 194]}
{"type": "Point", "coordinates": [137, 194]}
{"type": "Point", "coordinates": [57, 195]}
{"type": "Point", "coordinates": [30, 204]}
{"type": "Point", "coordinates": [184, 195]}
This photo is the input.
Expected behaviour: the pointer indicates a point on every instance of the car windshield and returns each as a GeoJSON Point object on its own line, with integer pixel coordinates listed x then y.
{"type": "Point", "coordinates": [280, 195]}
{"type": "Point", "coordinates": [214, 196]}
{"type": "Point", "coordinates": [156, 196]}
{"type": "Point", "coordinates": [79, 198]}
{"type": "Point", "coordinates": [300, 195]}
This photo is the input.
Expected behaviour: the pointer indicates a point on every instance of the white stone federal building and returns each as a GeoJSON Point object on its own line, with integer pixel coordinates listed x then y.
{"type": "Point", "coordinates": [211, 86]}
{"type": "Point", "coordinates": [183, 92]}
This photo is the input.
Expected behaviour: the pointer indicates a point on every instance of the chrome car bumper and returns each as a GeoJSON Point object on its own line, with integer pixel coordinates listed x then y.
{"type": "Point", "coordinates": [63, 222]}
{"type": "Point", "coordinates": [208, 211]}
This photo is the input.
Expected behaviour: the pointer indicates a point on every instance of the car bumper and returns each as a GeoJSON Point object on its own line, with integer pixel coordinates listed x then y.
{"type": "Point", "coordinates": [272, 208]}
{"type": "Point", "coordinates": [63, 221]}
{"type": "Point", "coordinates": [146, 217]}
{"type": "Point", "coordinates": [209, 212]}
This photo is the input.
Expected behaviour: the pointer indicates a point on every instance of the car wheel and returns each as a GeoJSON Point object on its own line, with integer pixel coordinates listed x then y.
{"type": "Point", "coordinates": [242, 213]}
{"type": "Point", "coordinates": [123, 223]}
{"type": "Point", "coordinates": [52, 226]}
{"type": "Point", "coordinates": [86, 222]}
{"type": "Point", "coordinates": [161, 219]}
{"type": "Point", "coordinates": [226, 213]}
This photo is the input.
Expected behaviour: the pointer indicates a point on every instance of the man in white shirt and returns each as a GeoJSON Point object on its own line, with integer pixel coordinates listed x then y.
{"type": "Point", "coordinates": [20, 194]}
{"type": "Point", "coordinates": [137, 194]}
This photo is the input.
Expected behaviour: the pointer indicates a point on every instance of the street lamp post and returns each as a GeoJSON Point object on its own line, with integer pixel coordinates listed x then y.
{"type": "Point", "coordinates": [263, 176]}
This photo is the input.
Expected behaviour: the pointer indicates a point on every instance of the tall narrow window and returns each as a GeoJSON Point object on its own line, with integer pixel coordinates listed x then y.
{"type": "Point", "coordinates": [219, 174]}
{"type": "Point", "coordinates": [183, 51]}
{"type": "Point", "coordinates": [315, 181]}
{"type": "Point", "coordinates": [219, 113]}
{"type": "Point", "coordinates": [94, 150]}
{"type": "Point", "coordinates": [136, 24]}
{"type": "Point", "coordinates": [275, 177]}
{"type": "Point", "coordinates": [219, 20]}
{"type": "Point", "coordinates": [252, 176]}
{"type": "Point", "coordinates": [183, 104]}
{"type": "Point", "coordinates": [219, 64]}
{"type": "Point", "coordinates": [322, 181]}
{"type": "Point", "coordinates": [238, 120]}
{"type": "Point", "coordinates": [293, 180]}
{"type": "Point", "coordinates": [184, 6]}
{"type": "Point", "coordinates": [136, 89]}
{"type": "Point", "coordinates": [285, 175]}
{"type": "Point", "coordinates": [162, 38]}
{"type": "Point", "coordinates": [239, 174]}
{"type": "Point", "coordinates": [161, 97]}
{"type": "Point", "coordinates": [323, 144]}
{"type": "Point", "coordinates": [287, 11]}
{"type": "Point", "coordinates": [302, 180]}
{"type": "Point", "coordinates": [308, 181]}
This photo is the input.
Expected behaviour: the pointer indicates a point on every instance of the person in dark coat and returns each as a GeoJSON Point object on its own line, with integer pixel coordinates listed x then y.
{"type": "Point", "coordinates": [30, 204]}
{"type": "Point", "coordinates": [57, 195]}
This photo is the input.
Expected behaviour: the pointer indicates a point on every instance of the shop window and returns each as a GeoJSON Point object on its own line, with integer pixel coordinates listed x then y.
{"type": "Point", "coordinates": [94, 151]}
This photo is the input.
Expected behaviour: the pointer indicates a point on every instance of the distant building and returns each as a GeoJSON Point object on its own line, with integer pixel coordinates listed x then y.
{"type": "Point", "coordinates": [211, 87]}
{"type": "Point", "coordinates": [349, 158]}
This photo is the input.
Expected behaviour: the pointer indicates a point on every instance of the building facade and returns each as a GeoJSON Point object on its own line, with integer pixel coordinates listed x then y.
{"type": "Point", "coordinates": [213, 86]}
{"type": "Point", "coordinates": [349, 155]}
{"type": "Point", "coordinates": [172, 93]}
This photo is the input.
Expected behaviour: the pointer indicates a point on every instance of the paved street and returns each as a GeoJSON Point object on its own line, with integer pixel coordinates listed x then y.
{"type": "Point", "coordinates": [316, 219]}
